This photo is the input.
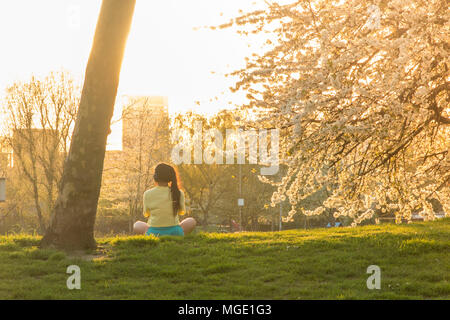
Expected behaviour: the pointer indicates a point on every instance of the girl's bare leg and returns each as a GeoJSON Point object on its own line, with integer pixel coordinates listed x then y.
{"type": "Point", "coordinates": [188, 225]}
{"type": "Point", "coordinates": [140, 227]}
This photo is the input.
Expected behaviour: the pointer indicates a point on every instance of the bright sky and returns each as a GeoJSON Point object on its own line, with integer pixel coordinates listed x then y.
{"type": "Point", "coordinates": [164, 54]}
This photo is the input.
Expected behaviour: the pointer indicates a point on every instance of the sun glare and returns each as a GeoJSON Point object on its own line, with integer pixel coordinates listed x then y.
{"type": "Point", "coordinates": [168, 52]}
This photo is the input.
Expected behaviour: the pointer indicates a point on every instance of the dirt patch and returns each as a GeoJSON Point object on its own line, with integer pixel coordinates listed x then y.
{"type": "Point", "coordinates": [99, 254]}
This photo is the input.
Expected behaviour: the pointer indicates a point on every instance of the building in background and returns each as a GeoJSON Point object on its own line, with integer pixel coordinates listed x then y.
{"type": "Point", "coordinates": [32, 144]}
{"type": "Point", "coordinates": [127, 173]}
{"type": "Point", "coordinates": [144, 117]}
{"type": "Point", "coordinates": [6, 158]}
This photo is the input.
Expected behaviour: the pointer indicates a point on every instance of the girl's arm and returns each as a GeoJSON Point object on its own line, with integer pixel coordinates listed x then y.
{"type": "Point", "coordinates": [146, 209]}
{"type": "Point", "coordinates": [182, 204]}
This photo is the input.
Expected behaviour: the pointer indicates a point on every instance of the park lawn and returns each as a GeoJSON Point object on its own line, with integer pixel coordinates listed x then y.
{"type": "Point", "coordinates": [295, 264]}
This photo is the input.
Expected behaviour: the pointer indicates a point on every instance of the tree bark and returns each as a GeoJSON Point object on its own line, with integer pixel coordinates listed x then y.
{"type": "Point", "coordinates": [73, 218]}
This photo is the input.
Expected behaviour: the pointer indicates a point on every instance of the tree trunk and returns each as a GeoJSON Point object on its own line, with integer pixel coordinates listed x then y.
{"type": "Point", "coordinates": [73, 218]}
{"type": "Point", "coordinates": [38, 208]}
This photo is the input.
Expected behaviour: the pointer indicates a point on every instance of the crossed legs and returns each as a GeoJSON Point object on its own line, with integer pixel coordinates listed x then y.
{"type": "Point", "coordinates": [140, 227]}
{"type": "Point", "coordinates": [187, 224]}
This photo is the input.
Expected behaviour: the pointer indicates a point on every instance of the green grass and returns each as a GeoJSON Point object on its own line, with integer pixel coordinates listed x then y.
{"type": "Point", "coordinates": [296, 264]}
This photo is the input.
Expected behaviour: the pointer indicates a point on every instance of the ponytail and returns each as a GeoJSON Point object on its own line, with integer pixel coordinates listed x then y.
{"type": "Point", "coordinates": [175, 192]}
{"type": "Point", "coordinates": [167, 173]}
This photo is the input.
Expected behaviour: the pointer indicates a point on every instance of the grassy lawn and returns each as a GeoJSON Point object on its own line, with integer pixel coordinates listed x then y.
{"type": "Point", "coordinates": [297, 264]}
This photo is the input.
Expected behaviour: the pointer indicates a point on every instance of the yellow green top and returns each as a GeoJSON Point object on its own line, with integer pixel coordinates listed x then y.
{"type": "Point", "coordinates": [158, 207]}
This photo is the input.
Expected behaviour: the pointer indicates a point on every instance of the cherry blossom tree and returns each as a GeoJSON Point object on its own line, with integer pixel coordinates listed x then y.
{"type": "Point", "coordinates": [360, 90]}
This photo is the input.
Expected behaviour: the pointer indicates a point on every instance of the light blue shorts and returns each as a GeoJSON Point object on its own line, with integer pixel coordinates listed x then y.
{"type": "Point", "coordinates": [165, 231]}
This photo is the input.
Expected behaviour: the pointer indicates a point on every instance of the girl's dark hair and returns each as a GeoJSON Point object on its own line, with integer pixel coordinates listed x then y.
{"type": "Point", "coordinates": [166, 173]}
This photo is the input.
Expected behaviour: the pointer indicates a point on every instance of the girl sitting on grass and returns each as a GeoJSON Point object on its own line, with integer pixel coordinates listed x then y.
{"type": "Point", "coordinates": [163, 204]}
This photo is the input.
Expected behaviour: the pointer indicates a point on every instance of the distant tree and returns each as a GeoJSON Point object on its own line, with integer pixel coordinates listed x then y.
{"type": "Point", "coordinates": [360, 90]}
{"type": "Point", "coordinates": [39, 120]}
{"type": "Point", "coordinates": [73, 219]}
{"type": "Point", "coordinates": [256, 195]}
{"type": "Point", "coordinates": [213, 189]}
{"type": "Point", "coordinates": [145, 142]}
{"type": "Point", "coordinates": [205, 184]}
{"type": "Point", "coordinates": [113, 205]}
